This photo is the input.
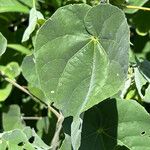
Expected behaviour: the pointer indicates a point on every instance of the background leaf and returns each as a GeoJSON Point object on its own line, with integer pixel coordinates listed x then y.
{"type": "Point", "coordinates": [66, 143]}
{"type": "Point", "coordinates": [5, 91]}
{"type": "Point", "coordinates": [22, 139]}
{"type": "Point", "coordinates": [116, 122]}
{"type": "Point", "coordinates": [33, 18]}
{"type": "Point", "coordinates": [12, 6]}
{"type": "Point", "coordinates": [11, 70]}
{"type": "Point", "coordinates": [12, 119]}
{"type": "Point", "coordinates": [3, 44]}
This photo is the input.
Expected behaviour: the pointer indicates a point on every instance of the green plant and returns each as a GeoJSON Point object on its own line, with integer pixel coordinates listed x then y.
{"type": "Point", "coordinates": [84, 86]}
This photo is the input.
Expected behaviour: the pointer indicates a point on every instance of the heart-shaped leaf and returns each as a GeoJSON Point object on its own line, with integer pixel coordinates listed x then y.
{"type": "Point", "coordinates": [82, 59]}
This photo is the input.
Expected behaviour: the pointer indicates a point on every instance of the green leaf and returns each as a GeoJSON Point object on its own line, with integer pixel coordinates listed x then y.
{"type": "Point", "coordinates": [3, 44]}
{"type": "Point", "coordinates": [37, 92]}
{"type": "Point", "coordinates": [20, 48]}
{"type": "Point", "coordinates": [139, 81]}
{"type": "Point", "coordinates": [82, 59]}
{"type": "Point", "coordinates": [66, 145]}
{"type": "Point", "coordinates": [145, 69]}
{"type": "Point", "coordinates": [33, 18]}
{"type": "Point", "coordinates": [147, 95]}
{"type": "Point", "coordinates": [12, 6]}
{"type": "Point", "coordinates": [30, 72]}
{"type": "Point", "coordinates": [3, 145]}
{"type": "Point", "coordinates": [5, 90]}
{"type": "Point", "coordinates": [142, 77]}
{"type": "Point", "coordinates": [46, 128]}
{"type": "Point", "coordinates": [12, 70]}
{"type": "Point", "coordinates": [21, 139]}
{"type": "Point", "coordinates": [37, 142]}
{"type": "Point", "coordinates": [12, 118]}
{"type": "Point", "coordinates": [29, 2]}
{"type": "Point", "coordinates": [43, 126]}
{"type": "Point", "coordinates": [14, 138]}
{"type": "Point", "coordinates": [56, 3]}
{"type": "Point", "coordinates": [31, 76]}
{"type": "Point", "coordinates": [116, 122]}
{"type": "Point", "coordinates": [76, 128]}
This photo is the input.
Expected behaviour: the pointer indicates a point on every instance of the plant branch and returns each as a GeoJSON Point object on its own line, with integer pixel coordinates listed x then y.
{"type": "Point", "coordinates": [31, 118]}
{"type": "Point", "coordinates": [18, 86]}
{"type": "Point", "coordinates": [28, 93]}
{"type": "Point", "coordinates": [58, 115]}
{"type": "Point", "coordinates": [55, 141]}
{"type": "Point", "coordinates": [137, 7]}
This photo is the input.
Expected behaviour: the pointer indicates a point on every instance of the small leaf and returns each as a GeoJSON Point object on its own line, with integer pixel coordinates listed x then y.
{"type": "Point", "coordinates": [21, 139]}
{"type": "Point", "coordinates": [147, 95]}
{"type": "Point", "coordinates": [12, 70]}
{"type": "Point", "coordinates": [3, 44]}
{"type": "Point", "coordinates": [33, 18]}
{"type": "Point", "coordinates": [5, 90]}
{"type": "Point", "coordinates": [36, 141]}
{"type": "Point", "coordinates": [12, 118]}
{"type": "Point", "coordinates": [66, 145]}
{"type": "Point", "coordinates": [76, 128]}
{"type": "Point", "coordinates": [139, 81]}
